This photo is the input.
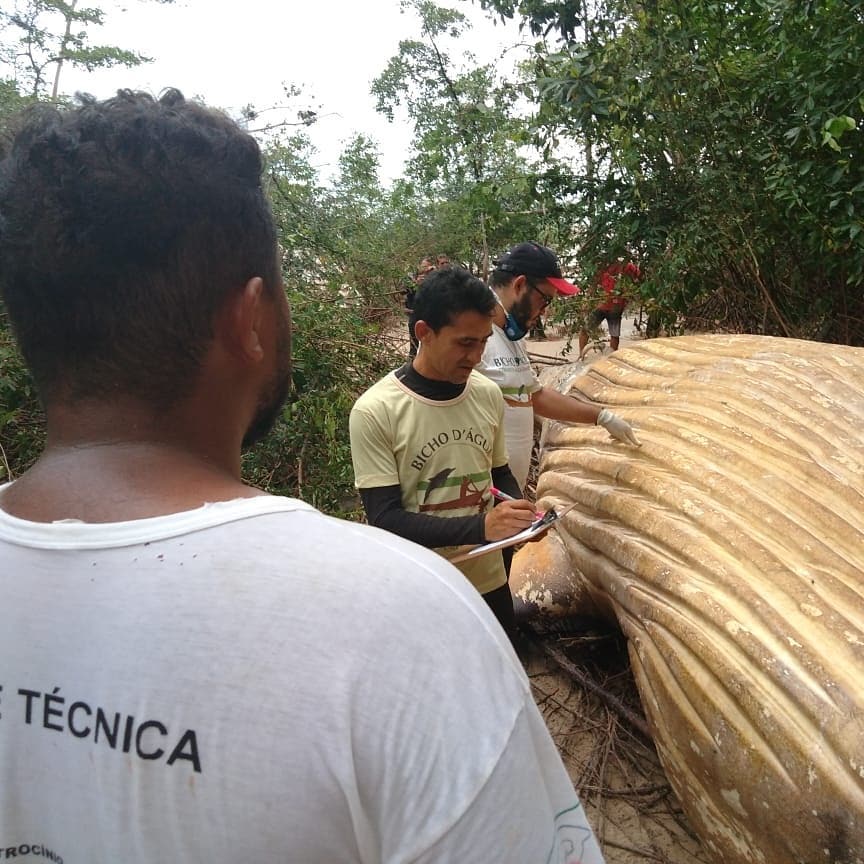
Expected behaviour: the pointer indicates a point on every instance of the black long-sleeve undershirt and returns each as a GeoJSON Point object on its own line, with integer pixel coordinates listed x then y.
{"type": "Point", "coordinates": [383, 504]}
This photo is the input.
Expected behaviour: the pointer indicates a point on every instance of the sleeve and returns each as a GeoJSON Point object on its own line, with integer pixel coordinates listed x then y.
{"type": "Point", "coordinates": [461, 766]}
{"type": "Point", "coordinates": [503, 479]}
{"type": "Point", "coordinates": [383, 506]}
{"type": "Point", "coordinates": [535, 384]}
{"type": "Point", "coordinates": [527, 811]}
{"type": "Point", "coordinates": [487, 366]}
{"type": "Point", "coordinates": [371, 450]}
{"type": "Point", "coordinates": [608, 281]}
{"type": "Point", "coordinates": [632, 270]}
{"type": "Point", "coordinates": [499, 445]}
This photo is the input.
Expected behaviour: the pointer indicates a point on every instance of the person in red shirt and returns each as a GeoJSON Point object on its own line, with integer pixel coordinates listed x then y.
{"type": "Point", "coordinates": [613, 303]}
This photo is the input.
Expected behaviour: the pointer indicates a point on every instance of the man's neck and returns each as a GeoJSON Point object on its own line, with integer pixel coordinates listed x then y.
{"type": "Point", "coordinates": [422, 368]}
{"type": "Point", "coordinates": [429, 388]}
{"type": "Point", "coordinates": [499, 316]}
{"type": "Point", "coordinates": [107, 466]}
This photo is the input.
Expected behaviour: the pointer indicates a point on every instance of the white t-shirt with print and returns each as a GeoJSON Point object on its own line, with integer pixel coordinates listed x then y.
{"type": "Point", "coordinates": [507, 364]}
{"type": "Point", "coordinates": [254, 681]}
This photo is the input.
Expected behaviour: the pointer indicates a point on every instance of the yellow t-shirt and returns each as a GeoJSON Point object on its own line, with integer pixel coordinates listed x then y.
{"type": "Point", "coordinates": [440, 453]}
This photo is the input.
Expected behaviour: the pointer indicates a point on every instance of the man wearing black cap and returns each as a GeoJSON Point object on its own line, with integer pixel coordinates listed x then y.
{"type": "Point", "coordinates": [526, 279]}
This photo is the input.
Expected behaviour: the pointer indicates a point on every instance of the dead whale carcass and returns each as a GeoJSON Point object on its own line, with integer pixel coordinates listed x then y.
{"type": "Point", "coordinates": [730, 550]}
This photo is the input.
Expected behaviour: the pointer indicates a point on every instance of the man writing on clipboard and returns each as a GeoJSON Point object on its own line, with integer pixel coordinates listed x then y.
{"type": "Point", "coordinates": [427, 440]}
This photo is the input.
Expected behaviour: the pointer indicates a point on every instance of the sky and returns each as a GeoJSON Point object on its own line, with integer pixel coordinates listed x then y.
{"type": "Point", "coordinates": [240, 53]}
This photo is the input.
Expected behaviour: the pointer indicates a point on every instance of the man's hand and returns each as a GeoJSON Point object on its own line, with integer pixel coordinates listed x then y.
{"type": "Point", "coordinates": [617, 427]}
{"type": "Point", "coordinates": [508, 518]}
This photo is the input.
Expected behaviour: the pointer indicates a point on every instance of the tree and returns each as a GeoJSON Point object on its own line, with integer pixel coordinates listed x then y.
{"type": "Point", "coordinates": [21, 432]}
{"type": "Point", "coordinates": [726, 139]}
{"type": "Point", "coordinates": [470, 154]}
{"type": "Point", "coordinates": [335, 249]}
{"type": "Point", "coordinates": [12, 101]}
{"type": "Point", "coordinates": [52, 33]}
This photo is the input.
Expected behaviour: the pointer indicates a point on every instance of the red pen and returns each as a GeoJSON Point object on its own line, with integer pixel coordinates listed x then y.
{"type": "Point", "coordinates": [501, 496]}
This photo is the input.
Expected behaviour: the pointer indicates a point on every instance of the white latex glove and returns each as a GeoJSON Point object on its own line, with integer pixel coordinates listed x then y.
{"type": "Point", "coordinates": [617, 427]}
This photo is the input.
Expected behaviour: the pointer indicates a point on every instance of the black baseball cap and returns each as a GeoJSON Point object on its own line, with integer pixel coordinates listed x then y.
{"type": "Point", "coordinates": [532, 259]}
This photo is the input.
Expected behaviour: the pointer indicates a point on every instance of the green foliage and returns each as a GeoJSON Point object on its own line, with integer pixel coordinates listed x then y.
{"type": "Point", "coordinates": [21, 420]}
{"type": "Point", "coordinates": [342, 267]}
{"type": "Point", "coordinates": [336, 355]}
{"type": "Point", "coordinates": [470, 158]}
{"type": "Point", "coordinates": [541, 16]}
{"type": "Point", "coordinates": [51, 33]}
{"type": "Point", "coordinates": [716, 144]}
{"type": "Point", "coordinates": [21, 423]}
{"type": "Point", "coordinates": [721, 146]}
{"type": "Point", "coordinates": [11, 104]}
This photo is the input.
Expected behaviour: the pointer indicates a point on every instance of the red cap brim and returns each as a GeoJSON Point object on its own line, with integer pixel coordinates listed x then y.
{"type": "Point", "coordinates": [562, 286]}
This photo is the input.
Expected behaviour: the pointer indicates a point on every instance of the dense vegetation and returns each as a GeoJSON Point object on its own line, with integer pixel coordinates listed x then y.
{"type": "Point", "coordinates": [716, 143]}
{"type": "Point", "coordinates": [723, 149]}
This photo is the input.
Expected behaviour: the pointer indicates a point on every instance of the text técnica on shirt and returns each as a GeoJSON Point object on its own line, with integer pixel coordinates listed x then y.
{"type": "Point", "coordinates": [143, 738]}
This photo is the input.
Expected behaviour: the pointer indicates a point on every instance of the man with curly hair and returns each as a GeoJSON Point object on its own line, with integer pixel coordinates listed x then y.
{"type": "Point", "coordinates": [194, 670]}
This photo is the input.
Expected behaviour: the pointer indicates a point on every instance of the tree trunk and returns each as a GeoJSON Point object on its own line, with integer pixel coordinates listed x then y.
{"type": "Point", "coordinates": [63, 45]}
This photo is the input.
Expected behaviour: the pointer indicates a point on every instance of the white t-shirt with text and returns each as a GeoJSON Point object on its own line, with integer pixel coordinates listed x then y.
{"type": "Point", "coordinates": [507, 364]}
{"type": "Point", "coordinates": [254, 681]}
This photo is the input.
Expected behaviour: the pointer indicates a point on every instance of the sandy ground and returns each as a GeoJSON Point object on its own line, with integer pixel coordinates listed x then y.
{"type": "Point", "coordinates": [614, 767]}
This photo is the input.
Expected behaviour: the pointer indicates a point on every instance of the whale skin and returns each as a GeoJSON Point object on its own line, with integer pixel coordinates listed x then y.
{"type": "Point", "coordinates": [729, 549]}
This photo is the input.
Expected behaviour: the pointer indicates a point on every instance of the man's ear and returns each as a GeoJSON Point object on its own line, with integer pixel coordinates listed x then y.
{"type": "Point", "coordinates": [520, 285]}
{"type": "Point", "coordinates": [241, 320]}
{"type": "Point", "coordinates": [421, 330]}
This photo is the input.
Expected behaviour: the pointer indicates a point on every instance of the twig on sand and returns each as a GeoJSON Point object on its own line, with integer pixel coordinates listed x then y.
{"type": "Point", "coordinates": [643, 853]}
{"type": "Point", "coordinates": [589, 683]}
{"type": "Point", "coordinates": [549, 359]}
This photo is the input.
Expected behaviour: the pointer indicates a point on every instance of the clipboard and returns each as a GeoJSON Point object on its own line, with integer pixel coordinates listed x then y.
{"type": "Point", "coordinates": [535, 529]}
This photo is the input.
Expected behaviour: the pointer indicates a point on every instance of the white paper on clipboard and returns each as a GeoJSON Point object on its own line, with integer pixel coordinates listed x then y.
{"type": "Point", "coordinates": [549, 518]}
